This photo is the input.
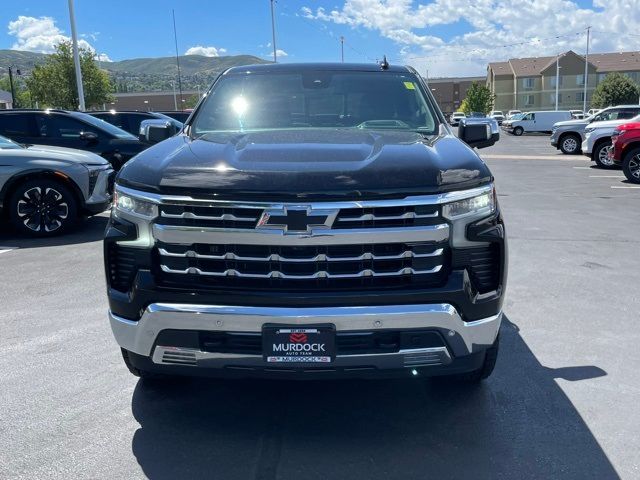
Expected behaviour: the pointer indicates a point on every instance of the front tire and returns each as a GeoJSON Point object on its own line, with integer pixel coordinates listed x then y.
{"type": "Point", "coordinates": [631, 165]}
{"type": "Point", "coordinates": [518, 131]}
{"type": "Point", "coordinates": [43, 208]}
{"type": "Point", "coordinates": [482, 373]}
{"type": "Point", "coordinates": [600, 155]}
{"type": "Point", "coordinates": [570, 144]}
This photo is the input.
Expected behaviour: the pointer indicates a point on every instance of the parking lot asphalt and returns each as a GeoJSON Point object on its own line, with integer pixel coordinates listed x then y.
{"type": "Point", "coordinates": [562, 402]}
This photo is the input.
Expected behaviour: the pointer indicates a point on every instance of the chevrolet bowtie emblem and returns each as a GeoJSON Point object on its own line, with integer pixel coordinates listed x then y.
{"type": "Point", "coordinates": [296, 219]}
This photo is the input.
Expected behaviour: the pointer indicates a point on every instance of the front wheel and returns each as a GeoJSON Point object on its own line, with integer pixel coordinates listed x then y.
{"type": "Point", "coordinates": [601, 155]}
{"type": "Point", "coordinates": [570, 144]}
{"type": "Point", "coordinates": [631, 165]}
{"type": "Point", "coordinates": [518, 131]}
{"type": "Point", "coordinates": [42, 208]}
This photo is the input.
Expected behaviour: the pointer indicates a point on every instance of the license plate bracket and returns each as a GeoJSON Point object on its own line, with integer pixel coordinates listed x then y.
{"type": "Point", "coordinates": [299, 346]}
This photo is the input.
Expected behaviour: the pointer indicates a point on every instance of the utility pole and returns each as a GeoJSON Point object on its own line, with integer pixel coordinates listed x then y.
{"type": "Point", "coordinates": [342, 48]}
{"type": "Point", "coordinates": [13, 91]}
{"type": "Point", "coordinates": [273, 34]}
{"type": "Point", "coordinates": [175, 37]}
{"type": "Point", "coordinates": [557, 78]}
{"type": "Point", "coordinates": [586, 72]}
{"type": "Point", "coordinates": [175, 101]}
{"type": "Point", "coordinates": [76, 56]}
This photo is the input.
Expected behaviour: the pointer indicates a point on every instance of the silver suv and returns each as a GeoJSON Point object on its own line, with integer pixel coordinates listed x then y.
{"type": "Point", "coordinates": [44, 190]}
{"type": "Point", "coordinates": [568, 136]}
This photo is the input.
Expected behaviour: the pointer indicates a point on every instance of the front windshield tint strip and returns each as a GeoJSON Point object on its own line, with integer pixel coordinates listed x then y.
{"type": "Point", "coordinates": [316, 99]}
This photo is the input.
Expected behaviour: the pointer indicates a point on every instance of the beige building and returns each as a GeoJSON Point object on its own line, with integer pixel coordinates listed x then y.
{"type": "Point", "coordinates": [449, 92]}
{"type": "Point", "coordinates": [530, 83]}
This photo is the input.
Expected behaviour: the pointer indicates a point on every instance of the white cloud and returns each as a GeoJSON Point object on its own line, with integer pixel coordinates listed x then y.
{"type": "Point", "coordinates": [496, 29]}
{"type": "Point", "coordinates": [42, 34]}
{"type": "Point", "coordinates": [281, 53]}
{"type": "Point", "coordinates": [206, 51]}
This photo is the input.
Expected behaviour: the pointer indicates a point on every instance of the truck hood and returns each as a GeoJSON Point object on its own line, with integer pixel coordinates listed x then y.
{"type": "Point", "coordinates": [306, 164]}
{"type": "Point", "coordinates": [609, 123]}
{"type": "Point", "coordinates": [574, 123]}
{"type": "Point", "coordinates": [55, 154]}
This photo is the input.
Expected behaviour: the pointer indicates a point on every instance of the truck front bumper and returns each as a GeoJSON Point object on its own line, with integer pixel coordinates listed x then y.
{"type": "Point", "coordinates": [461, 349]}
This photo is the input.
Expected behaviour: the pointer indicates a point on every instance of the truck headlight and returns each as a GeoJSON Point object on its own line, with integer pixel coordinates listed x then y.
{"type": "Point", "coordinates": [479, 206]}
{"type": "Point", "coordinates": [128, 204]}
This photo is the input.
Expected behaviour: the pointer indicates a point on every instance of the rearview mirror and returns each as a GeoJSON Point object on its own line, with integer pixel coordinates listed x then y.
{"type": "Point", "coordinates": [155, 131]}
{"type": "Point", "coordinates": [479, 132]}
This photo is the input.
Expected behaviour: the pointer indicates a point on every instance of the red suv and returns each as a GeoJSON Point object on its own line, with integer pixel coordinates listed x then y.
{"type": "Point", "coordinates": [625, 150]}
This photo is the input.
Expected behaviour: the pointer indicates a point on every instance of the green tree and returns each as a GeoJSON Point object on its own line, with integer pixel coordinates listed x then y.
{"type": "Point", "coordinates": [479, 99]}
{"type": "Point", "coordinates": [615, 89]}
{"type": "Point", "coordinates": [192, 101]}
{"type": "Point", "coordinates": [53, 83]}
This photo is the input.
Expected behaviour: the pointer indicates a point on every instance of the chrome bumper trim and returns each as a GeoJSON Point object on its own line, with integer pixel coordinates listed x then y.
{"type": "Point", "coordinates": [190, 235]}
{"type": "Point", "coordinates": [416, 357]}
{"type": "Point", "coordinates": [463, 337]}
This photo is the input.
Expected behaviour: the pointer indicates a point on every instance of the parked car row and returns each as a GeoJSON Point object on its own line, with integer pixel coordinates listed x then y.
{"type": "Point", "coordinates": [57, 166]}
{"type": "Point", "coordinates": [568, 136]}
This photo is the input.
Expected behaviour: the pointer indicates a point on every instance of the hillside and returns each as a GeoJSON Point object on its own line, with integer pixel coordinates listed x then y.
{"type": "Point", "coordinates": [145, 74]}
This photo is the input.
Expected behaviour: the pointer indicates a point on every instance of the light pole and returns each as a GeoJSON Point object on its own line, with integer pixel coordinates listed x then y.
{"type": "Point", "coordinates": [273, 34]}
{"type": "Point", "coordinates": [342, 48]}
{"type": "Point", "coordinates": [557, 78]}
{"type": "Point", "coordinates": [586, 73]}
{"type": "Point", "coordinates": [76, 56]}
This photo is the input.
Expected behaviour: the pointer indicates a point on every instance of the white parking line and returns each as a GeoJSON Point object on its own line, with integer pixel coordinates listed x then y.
{"type": "Point", "coordinates": [625, 186]}
{"type": "Point", "coordinates": [606, 176]}
{"type": "Point", "coordinates": [4, 250]}
{"type": "Point", "coordinates": [582, 168]}
{"type": "Point", "coordinates": [532, 157]}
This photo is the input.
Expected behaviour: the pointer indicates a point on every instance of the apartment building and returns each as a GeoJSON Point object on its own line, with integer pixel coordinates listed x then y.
{"type": "Point", "coordinates": [530, 83]}
{"type": "Point", "coordinates": [449, 92]}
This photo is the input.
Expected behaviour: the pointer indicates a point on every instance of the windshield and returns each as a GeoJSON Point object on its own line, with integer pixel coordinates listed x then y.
{"type": "Point", "coordinates": [104, 125]}
{"type": "Point", "coordinates": [315, 99]}
{"type": "Point", "coordinates": [5, 144]}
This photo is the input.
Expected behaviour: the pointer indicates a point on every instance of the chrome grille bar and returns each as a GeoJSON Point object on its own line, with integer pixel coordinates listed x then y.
{"type": "Point", "coordinates": [317, 258]}
{"type": "Point", "coordinates": [319, 274]}
{"type": "Point", "coordinates": [194, 216]}
{"type": "Point", "coordinates": [188, 235]}
{"type": "Point", "coordinates": [371, 216]}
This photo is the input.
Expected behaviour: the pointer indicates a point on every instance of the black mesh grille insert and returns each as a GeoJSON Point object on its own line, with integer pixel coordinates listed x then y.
{"type": "Point", "coordinates": [483, 264]}
{"type": "Point", "coordinates": [122, 267]}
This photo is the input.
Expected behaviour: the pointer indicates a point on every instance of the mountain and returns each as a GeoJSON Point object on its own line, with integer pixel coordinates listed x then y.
{"type": "Point", "coordinates": [145, 74]}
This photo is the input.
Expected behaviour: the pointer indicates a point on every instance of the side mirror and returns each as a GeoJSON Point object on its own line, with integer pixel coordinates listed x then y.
{"type": "Point", "coordinates": [155, 131]}
{"type": "Point", "coordinates": [88, 137]}
{"type": "Point", "coordinates": [479, 132]}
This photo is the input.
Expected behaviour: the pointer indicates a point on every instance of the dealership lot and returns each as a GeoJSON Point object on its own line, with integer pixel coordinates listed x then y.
{"type": "Point", "coordinates": [562, 402]}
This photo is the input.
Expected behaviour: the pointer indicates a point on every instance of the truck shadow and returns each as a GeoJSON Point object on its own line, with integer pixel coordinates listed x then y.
{"type": "Point", "coordinates": [519, 424]}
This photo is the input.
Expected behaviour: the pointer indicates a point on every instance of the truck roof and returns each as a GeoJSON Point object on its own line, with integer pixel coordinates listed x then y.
{"type": "Point", "coordinates": [298, 67]}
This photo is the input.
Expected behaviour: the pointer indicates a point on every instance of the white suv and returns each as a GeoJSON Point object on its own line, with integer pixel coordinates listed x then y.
{"type": "Point", "coordinates": [597, 140]}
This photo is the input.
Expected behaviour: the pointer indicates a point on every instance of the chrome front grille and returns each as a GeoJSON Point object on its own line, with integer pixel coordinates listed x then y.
{"type": "Point", "coordinates": [208, 244]}
{"type": "Point", "coordinates": [340, 262]}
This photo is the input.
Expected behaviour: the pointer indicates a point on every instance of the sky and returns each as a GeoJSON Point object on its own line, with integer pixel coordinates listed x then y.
{"type": "Point", "coordinates": [438, 37]}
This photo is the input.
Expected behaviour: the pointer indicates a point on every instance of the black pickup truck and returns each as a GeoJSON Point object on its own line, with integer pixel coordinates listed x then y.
{"type": "Point", "coordinates": [311, 220]}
